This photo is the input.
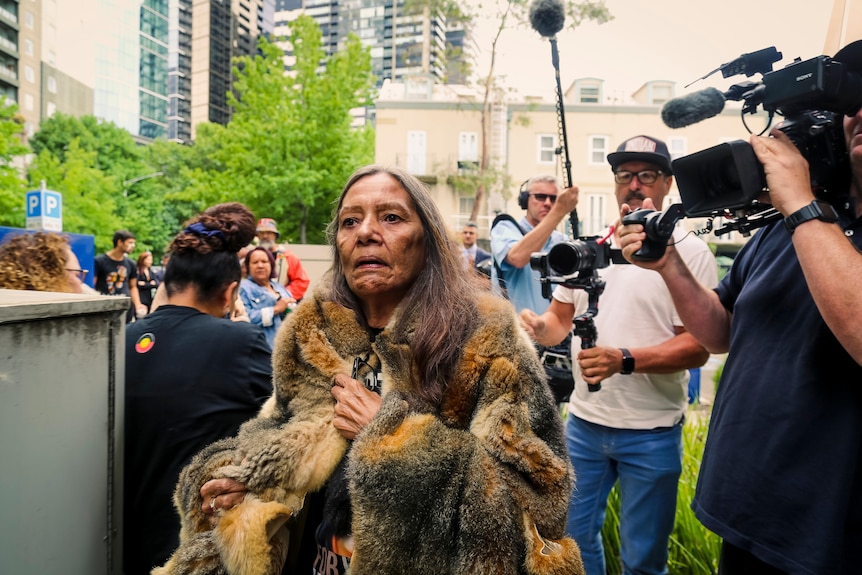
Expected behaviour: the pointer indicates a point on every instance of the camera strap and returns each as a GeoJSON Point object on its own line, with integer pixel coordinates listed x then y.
{"type": "Point", "coordinates": [501, 218]}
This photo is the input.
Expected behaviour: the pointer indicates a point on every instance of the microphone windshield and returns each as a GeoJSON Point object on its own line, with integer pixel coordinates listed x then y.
{"type": "Point", "coordinates": [547, 17]}
{"type": "Point", "coordinates": [693, 108]}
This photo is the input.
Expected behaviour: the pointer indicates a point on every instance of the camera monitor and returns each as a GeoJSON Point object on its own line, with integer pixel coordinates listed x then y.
{"type": "Point", "coordinates": [725, 177]}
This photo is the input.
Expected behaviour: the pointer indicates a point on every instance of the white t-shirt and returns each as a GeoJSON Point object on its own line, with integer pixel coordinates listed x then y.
{"type": "Point", "coordinates": [636, 310]}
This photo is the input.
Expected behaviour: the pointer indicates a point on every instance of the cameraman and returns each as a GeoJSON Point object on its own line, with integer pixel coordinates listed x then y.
{"type": "Point", "coordinates": [631, 430]}
{"type": "Point", "coordinates": [781, 476]}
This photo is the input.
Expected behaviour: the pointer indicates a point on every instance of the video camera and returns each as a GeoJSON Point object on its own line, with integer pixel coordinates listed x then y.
{"type": "Point", "coordinates": [727, 180]}
{"type": "Point", "coordinates": [572, 264]}
{"type": "Point", "coordinates": [575, 264]}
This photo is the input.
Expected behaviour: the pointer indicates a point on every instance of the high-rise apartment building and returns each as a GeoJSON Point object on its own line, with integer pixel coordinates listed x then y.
{"type": "Point", "coordinates": [20, 33]}
{"type": "Point", "coordinates": [222, 30]}
{"type": "Point", "coordinates": [402, 42]}
{"type": "Point", "coordinates": [179, 70]}
{"type": "Point", "coordinates": [154, 83]}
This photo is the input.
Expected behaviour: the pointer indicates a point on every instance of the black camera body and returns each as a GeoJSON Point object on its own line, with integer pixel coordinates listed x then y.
{"type": "Point", "coordinates": [572, 264]}
{"type": "Point", "coordinates": [658, 227]}
{"type": "Point", "coordinates": [812, 95]}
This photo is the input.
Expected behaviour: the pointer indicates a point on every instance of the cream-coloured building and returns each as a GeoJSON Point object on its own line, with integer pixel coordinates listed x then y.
{"type": "Point", "coordinates": [428, 129]}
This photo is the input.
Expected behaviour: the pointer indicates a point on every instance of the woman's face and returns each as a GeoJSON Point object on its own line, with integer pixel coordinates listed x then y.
{"type": "Point", "coordinates": [259, 268]}
{"type": "Point", "coordinates": [148, 260]}
{"type": "Point", "coordinates": [74, 279]}
{"type": "Point", "coordinates": [380, 238]}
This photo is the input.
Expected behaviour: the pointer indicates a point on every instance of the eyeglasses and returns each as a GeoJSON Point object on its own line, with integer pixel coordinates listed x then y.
{"type": "Point", "coordinates": [646, 177]}
{"type": "Point", "coordinates": [541, 198]}
{"type": "Point", "coordinates": [80, 274]}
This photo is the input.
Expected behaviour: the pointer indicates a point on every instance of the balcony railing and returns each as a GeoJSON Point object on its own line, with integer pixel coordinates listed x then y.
{"type": "Point", "coordinates": [8, 16]}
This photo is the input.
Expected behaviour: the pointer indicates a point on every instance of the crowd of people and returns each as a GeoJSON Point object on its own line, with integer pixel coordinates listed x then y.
{"type": "Point", "coordinates": [398, 417]}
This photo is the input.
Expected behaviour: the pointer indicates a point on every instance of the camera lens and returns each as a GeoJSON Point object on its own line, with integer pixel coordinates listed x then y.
{"type": "Point", "coordinates": [571, 257]}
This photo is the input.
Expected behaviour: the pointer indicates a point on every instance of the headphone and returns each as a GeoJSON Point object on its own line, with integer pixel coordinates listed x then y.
{"type": "Point", "coordinates": [524, 194]}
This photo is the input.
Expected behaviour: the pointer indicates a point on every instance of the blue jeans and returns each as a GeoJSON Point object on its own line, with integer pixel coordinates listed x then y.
{"type": "Point", "coordinates": [648, 464]}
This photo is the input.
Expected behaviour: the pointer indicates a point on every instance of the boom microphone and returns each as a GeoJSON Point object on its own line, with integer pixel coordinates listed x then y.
{"type": "Point", "coordinates": [693, 108]}
{"type": "Point", "coordinates": [547, 17]}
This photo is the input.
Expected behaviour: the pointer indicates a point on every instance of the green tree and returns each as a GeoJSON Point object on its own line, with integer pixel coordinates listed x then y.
{"type": "Point", "coordinates": [111, 181]}
{"type": "Point", "coordinates": [11, 183]}
{"type": "Point", "coordinates": [88, 193]}
{"type": "Point", "coordinates": [289, 146]}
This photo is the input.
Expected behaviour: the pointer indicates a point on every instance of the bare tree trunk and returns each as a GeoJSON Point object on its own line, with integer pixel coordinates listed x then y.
{"type": "Point", "coordinates": [303, 224]}
{"type": "Point", "coordinates": [486, 118]}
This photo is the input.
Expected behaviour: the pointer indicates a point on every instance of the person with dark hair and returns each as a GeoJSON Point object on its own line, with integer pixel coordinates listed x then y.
{"type": "Point", "coordinates": [116, 274]}
{"type": "Point", "coordinates": [288, 270]}
{"type": "Point", "coordinates": [266, 301]}
{"type": "Point", "coordinates": [191, 377]}
{"type": "Point", "coordinates": [40, 261]}
{"type": "Point", "coordinates": [781, 476]}
{"type": "Point", "coordinates": [410, 400]}
{"type": "Point", "coordinates": [148, 280]}
{"type": "Point", "coordinates": [472, 253]}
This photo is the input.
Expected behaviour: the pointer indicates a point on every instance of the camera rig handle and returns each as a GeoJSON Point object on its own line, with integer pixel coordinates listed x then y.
{"type": "Point", "coordinates": [583, 325]}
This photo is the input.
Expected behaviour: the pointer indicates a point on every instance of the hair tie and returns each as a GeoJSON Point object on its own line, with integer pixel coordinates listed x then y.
{"type": "Point", "coordinates": [201, 230]}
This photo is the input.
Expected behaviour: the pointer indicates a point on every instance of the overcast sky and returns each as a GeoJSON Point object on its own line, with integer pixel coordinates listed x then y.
{"type": "Point", "coordinates": [676, 40]}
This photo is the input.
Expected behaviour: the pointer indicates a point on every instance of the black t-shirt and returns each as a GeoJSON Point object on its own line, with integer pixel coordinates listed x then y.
{"type": "Point", "coordinates": [191, 379]}
{"type": "Point", "coordinates": [114, 277]}
{"type": "Point", "coordinates": [781, 476]}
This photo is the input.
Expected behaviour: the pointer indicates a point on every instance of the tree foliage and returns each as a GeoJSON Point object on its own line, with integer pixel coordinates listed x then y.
{"type": "Point", "coordinates": [286, 152]}
{"type": "Point", "coordinates": [11, 184]}
{"type": "Point", "coordinates": [88, 192]}
{"type": "Point", "coordinates": [289, 146]}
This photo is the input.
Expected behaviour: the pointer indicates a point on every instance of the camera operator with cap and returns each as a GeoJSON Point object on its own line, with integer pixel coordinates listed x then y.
{"type": "Point", "coordinates": [288, 268]}
{"type": "Point", "coordinates": [630, 430]}
{"type": "Point", "coordinates": [781, 476]}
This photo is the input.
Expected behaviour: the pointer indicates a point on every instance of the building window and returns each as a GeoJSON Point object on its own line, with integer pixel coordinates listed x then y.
{"type": "Point", "coordinates": [29, 74]}
{"type": "Point", "coordinates": [661, 93]}
{"type": "Point", "coordinates": [588, 95]}
{"type": "Point", "coordinates": [546, 148]}
{"type": "Point", "coordinates": [52, 84]}
{"type": "Point", "coordinates": [598, 150]}
{"type": "Point", "coordinates": [416, 145]}
{"type": "Point", "coordinates": [468, 147]}
{"type": "Point", "coordinates": [596, 216]}
{"type": "Point", "coordinates": [28, 19]}
{"type": "Point", "coordinates": [29, 102]}
{"type": "Point", "coordinates": [465, 204]}
{"type": "Point", "coordinates": [28, 46]}
{"type": "Point", "coordinates": [50, 109]}
{"type": "Point", "coordinates": [677, 147]}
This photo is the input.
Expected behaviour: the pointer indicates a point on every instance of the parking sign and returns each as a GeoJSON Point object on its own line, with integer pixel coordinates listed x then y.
{"type": "Point", "coordinates": [44, 210]}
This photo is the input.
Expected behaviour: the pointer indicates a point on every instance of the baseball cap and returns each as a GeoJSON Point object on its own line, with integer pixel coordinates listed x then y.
{"type": "Point", "coordinates": [851, 56]}
{"type": "Point", "coordinates": [267, 225]}
{"type": "Point", "coordinates": [642, 149]}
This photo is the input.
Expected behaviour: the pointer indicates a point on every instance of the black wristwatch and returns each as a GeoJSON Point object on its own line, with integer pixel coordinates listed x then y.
{"type": "Point", "coordinates": [628, 362]}
{"type": "Point", "coordinates": [816, 210]}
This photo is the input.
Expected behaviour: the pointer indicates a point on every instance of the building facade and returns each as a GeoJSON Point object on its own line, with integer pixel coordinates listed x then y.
{"type": "Point", "coordinates": [436, 132]}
